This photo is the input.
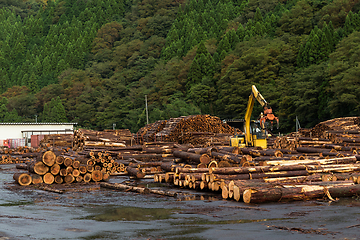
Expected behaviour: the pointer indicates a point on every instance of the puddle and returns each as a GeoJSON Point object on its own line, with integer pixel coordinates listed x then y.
{"type": "Point", "coordinates": [130, 214]}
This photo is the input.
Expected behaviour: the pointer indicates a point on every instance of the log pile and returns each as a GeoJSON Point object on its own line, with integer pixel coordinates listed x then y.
{"type": "Point", "coordinates": [90, 139]}
{"type": "Point", "coordinates": [16, 155]}
{"type": "Point", "coordinates": [147, 133]}
{"type": "Point", "coordinates": [185, 152]}
{"type": "Point", "coordinates": [50, 168]}
{"type": "Point", "coordinates": [199, 130]}
{"type": "Point", "coordinates": [57, 140]}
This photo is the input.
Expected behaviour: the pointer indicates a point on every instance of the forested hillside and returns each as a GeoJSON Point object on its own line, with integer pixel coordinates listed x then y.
{"type": "Point", "coordinates": [94, 61]}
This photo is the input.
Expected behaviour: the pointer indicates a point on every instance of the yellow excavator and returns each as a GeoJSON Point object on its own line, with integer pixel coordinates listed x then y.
{"type": "Point", "coordinates": [255, 134]}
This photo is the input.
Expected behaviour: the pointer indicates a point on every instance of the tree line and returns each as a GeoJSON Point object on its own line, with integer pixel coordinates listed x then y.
{"type": "Point", "coordinates": [94, 61]}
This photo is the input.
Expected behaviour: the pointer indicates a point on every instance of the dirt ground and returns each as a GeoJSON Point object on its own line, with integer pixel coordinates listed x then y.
{"type": "Point", "coordinates": [86, 211]}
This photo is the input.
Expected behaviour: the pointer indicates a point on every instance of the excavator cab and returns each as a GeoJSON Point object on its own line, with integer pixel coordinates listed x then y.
{"type": "Point", "coordinates": [257, 133]}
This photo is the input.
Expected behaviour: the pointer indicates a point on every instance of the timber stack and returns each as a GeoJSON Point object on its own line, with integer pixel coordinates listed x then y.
{"type": "Point", "coordinates": [50, 168]}
{"type": "Point", "coordinates": [57, 140]}
{"type": "Point", "coordinates": [89, 139]}
{"type": "Point", "coordinates": [185, 153]}
{"type": "Point", "coordinates": [198, 130]}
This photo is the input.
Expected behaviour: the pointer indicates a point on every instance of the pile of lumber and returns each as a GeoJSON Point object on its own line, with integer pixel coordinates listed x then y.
{"type": "Point", "coordinates": [52, 168]}
{"type": "Point", "coordinates": [199, 130]}
{"type": "Point", "coordinates": [57, 140]}
{"type": "Point", "coordinates": [91, 139]}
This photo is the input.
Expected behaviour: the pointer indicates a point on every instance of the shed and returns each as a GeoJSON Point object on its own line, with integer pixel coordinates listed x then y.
{"type": "Point", "coordinates": [24, 131]}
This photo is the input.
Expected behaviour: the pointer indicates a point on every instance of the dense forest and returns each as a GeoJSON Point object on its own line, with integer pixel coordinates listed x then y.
{"type": "Point", "coordinates": [95, 61]}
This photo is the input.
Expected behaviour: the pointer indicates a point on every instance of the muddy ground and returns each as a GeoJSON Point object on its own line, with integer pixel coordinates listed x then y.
{"type": "Point", "coordinates": [90, 212]}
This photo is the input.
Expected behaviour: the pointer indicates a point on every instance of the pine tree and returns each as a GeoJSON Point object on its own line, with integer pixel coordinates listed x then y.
{"type": "Point", "coordinates": [348, 27]}
{"type": "Point", "coordinates": [258, 17]}
{"type": "Point", "coordinates": [32, 83]}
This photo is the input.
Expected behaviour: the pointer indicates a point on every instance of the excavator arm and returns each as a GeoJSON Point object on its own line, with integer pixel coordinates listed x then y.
{"type": "Point", "coordinates": [268, 115]}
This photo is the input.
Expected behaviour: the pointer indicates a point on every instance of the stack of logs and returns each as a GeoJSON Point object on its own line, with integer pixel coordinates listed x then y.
{"type": "Point", "coordinates": [15, 155]}
{"type": "Point", "coordinates": [198, 130]}
{"type": "Point", "coordinates": [56, 140]}
{"type": "Point", "coordinates": [295, 168]}
{"type": "Point", "coordinates": [90, 139]}
{"type": "Point", "coordinates": [54, 168]}
{"type": "Point", "coordinates": [276, 179]}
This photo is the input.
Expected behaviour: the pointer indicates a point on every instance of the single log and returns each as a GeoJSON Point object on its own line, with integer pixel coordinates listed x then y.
{"type": "Point", "coordinates": [123, 187]}
{"type": "Point", "coordinates": [204, 158]}
{"type": "Point", "coordinates": [21, 166]}
{"type": "Point", "coordinates": [68, 162]}
{"type": "Point", "coordinates": [22, 179]}
{"type": "Point", "coordinates": [76, 173]}
{"type": "Point", "coordinates": [36, 179]}
{"type": "Point", "coordinates": [106, 177]}
{"type": "Point", "coordinates": [82, 169]}
{"type": "Point", "coordinates": [55, 169]}
{"type": "Point", "coordinates": [136, 172]}
{"type": "Point", "coordinates": [242, 170]}
{"type": "Point", "coordinates": [345, 160]}
{"type": "Point", "coordinates": [38, 168]}
{"type": "Point", "coordinates": [79, 178]}
{"type": "Point", "coordinates": [191, 170]}
{"type": "Point", "coordinates": [49, 158]}
{"type": "Point", "coordinates": [90, 168]}
{"type": "Point", "coordinates": [300, 192]}
{"type": "Point", "coordinates": [63, 172]}
{"type": "Point", "coordinates": [96, 175]}
{"type": "Point", "coordinates": [311, 150]}
{"type": "Point", "coordinates": [69, 178]}
{"type": "Point", "coordinates": [59, 159]}
{"type": "Point", "coordinates": [76, 164]}
{"type": "Point", "coordinates": [45, 188]}
{"type": "Point", "coordinates": [228, 157]}
{"type": "Point", "coordinates": [58, 179]}
{"type": "Point", "coordinates": [48, 178]}
{"type": "Point", "coordinates": [87, 177]}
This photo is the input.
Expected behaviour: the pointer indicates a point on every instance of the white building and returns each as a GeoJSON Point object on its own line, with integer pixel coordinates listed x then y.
{"type": "Point", "coordinates": [23, 131]}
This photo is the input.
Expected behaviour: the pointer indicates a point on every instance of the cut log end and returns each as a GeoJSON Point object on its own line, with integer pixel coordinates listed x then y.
{"type": "Point", "coordinates": [22, 179]}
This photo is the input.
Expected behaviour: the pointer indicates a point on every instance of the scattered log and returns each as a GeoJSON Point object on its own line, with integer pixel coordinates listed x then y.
{"type": "Point", "coordinates": [124, 187]}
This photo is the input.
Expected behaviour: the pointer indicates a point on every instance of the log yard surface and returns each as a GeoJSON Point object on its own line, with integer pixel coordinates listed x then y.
{"type": "Point", "coordinates": [180, 179]}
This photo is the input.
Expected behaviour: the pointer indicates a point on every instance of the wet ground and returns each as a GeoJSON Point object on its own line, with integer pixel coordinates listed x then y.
{"type": "Point", "coordinates": [91, 212]}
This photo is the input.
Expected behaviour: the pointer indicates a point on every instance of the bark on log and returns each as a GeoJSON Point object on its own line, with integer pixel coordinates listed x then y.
{"type": "Point", "coordinates": [38, 168]}
{"type": "Point", "coordinates": [124, 187]}
{"type": "Point", "coordinates": [135, 172]}
{"type": "Point", "coordinates": [22, 179]}
{"type": "Point", "coordinates": [300, 192]}
{"type": "Point", "coordinates": [204, 158]}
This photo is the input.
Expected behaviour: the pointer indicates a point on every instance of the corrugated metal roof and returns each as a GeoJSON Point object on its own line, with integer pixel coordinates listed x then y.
{"type": "Point", "coordinates": [23, 123]}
